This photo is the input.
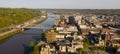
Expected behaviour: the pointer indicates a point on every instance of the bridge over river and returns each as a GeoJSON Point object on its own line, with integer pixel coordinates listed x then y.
{"type": "Point", "coordinates": [44, 28]}
{"type": "Point", "coordinates": [19, 43]}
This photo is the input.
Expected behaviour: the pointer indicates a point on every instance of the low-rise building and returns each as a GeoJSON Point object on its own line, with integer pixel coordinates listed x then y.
{"type": "Point", "coordinates": [60, 37]}
{"type": "Point", "coordinates": [59, 28]}
{"type": "Point", "coordinates": [45, 49]}
{"type": "Point", "coordinates": [51, 36]}
{"type": "Point", "coordinates": [63, 48]}
{"type": "Point", "coordinates": [72, 29]}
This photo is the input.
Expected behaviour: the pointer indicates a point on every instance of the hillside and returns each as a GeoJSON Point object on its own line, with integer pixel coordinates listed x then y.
{"type": "Point", "coordinates": [14, 16]}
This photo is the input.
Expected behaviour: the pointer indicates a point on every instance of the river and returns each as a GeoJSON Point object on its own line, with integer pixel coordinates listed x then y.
{"type": "Point", "coordinates": [19, 43]}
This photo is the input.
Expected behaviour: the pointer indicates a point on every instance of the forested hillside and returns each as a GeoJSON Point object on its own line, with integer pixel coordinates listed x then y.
{"type": "Point", "coordinates": [15, 16]}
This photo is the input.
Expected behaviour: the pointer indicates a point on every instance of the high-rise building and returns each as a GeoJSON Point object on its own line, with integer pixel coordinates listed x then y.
{"type": "Point", "coordinates": [71, 20]}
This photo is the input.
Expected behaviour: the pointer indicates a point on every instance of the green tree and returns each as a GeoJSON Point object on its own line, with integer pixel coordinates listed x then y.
{"type": "Point", "coordinates": [9, 16]}
{"type": "Point", "coordinates": [80, 50]}
{"type": "Point", "coordinates": [72, 33]}
{"type": "Point", "coordinates": [44, 35]}
{"type": "Point", "coordinates": [85, 45]}
{"type": "Point", "coordinates": [32, 43]}
{"type": "Point", "coordinates": [78, 33]}
{"type": "Point", "coordinates": [87, 41]}
{"type": "Point", "coordinates": [36, 50]}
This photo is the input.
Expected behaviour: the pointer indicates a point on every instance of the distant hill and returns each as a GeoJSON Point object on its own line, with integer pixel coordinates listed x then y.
{"type": "Point", "coordinates": [85, 11]}
{"type": "Point", "coordinates": [9, 16]}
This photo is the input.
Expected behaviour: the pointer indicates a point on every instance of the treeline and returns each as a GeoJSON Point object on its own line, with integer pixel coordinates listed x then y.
{"type": "Point", "coordinates": [10, 16]}
{"type": "Point", "coordinates": [85, 11]}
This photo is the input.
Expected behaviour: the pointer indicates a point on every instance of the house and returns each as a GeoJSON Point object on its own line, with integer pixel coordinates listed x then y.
{"type": "Point", "coordinates": [63, 48]}
{"type": "Point", "coordinates": [47, 49]}
{"type": "Point", "coordinates": [100, 42]}
{"type": "Point", "coordinates": [116, 42]}
{"type": "Point", "coordinates": [59, 28]}
{"type": "Point", "coordinates": [60, 37]}
{"type": "Point", "coordinates": [72, 29]}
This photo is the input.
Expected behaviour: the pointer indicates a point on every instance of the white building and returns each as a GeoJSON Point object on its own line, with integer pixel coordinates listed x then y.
{"type": "Point", "coordinates": [72, 28]}
{"type": "Point", "coordinates": [83, 27]}
{"type": "Point", "coordinates": [43, 16]}
{"type": "Point", "coordinates": [59, 28]}
{"type": "Point", "coordinates": [79, 22]}
{"type": "Point", "coordinates": [78, 17]}
{"type": "Point", "coordinates": [60, 37]}
{"type": "Point", "coordinates": [98, 26]}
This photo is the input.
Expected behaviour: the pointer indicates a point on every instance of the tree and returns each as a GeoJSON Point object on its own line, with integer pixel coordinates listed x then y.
{"type": "Point", "coordinates": [72, 33]}
{"type": "Point", "coordinates": [61, 17]}
{"type": "Point", "coordinates": [32, 43]}
{"type": "Point", "coordinates": [36, 50]}
{"type": "Point", "coordinates": [78, 33]}
{"type": "Point", "coordinates": [16, 16]}
{"type": "Point", "coordinates": [87, 40]}
{"type": "Point", "coordinates": [85, 45]}
{"type": "Point", "coordinates": [44, 35]}
{"type": "Point", "coordinates": [80, 50]}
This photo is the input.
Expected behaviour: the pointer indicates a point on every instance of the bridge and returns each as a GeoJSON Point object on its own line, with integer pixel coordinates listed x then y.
{"type": "Point", "coordinates": [36, 27]}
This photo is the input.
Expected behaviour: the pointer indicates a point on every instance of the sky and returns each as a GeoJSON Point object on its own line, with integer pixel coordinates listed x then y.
{"type": "Point", "coordinates": [62, 4]}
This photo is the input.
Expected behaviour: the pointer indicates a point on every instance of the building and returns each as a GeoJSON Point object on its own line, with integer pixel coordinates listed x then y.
{"type": "Point", "coordinates": [79, 22]}
{"type": "Point", "coordinates": [101, 42]}
{"type": "Point", "coordinates": [56, 22]}
{"type": "Point", "coordinates": [60, 37]}
{"type": "Point", "coordinates": [78, 17]}
{"type": "Point", "coordinates": [51, 36]}
{"type": "Point", "coordinates": [71, 20]}
{"type": "Point", "coordinates": [62, 24]}
{"type": "Point", "coordinates": [83, 27]}
{"type": "Point", "coordinates": [116, 42]}
{"type": "Point", "coordinates": [45, 49]}
{"type": "Point", "coordinates": [72, 29]}
{"type": "Point", "coordinates": [63, 48]}
{"type": "Point", "coordinates": [59, 28]}
{"type": "Point", "coordinates": [118, 51]}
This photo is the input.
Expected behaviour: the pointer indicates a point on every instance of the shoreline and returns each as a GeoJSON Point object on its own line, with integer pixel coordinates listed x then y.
{"type": "Point", "coordinates": [8, 36]}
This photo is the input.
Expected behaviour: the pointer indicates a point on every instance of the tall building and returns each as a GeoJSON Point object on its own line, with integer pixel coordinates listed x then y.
{"type": "Point", "coordinates": [51, 36]}
{"type": "Point", "coordinates": [71, 20]}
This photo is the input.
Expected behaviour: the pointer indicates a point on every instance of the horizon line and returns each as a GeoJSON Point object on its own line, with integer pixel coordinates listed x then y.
{"type": "Point", "coordinates": [59, 8]}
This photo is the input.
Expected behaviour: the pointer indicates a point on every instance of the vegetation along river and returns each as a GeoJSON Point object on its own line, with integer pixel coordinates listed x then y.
{"type": "Point", "coordinates": [19, 43]}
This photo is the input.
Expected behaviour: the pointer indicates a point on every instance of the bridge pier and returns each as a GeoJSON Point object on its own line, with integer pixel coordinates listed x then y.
{"type": "Point", "coordinates": [44, 30]}
{"type": "Point", "coordinates": [22, 29]}
{"type": "Point", "coordinates": [40, 27]}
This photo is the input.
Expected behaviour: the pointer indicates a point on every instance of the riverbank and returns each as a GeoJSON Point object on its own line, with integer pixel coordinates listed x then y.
{"type": "Point", "coordinates": [6, 35]}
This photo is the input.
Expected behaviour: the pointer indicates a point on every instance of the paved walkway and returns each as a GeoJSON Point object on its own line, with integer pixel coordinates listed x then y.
{"type": "Point", "coordinates": [5, 33]}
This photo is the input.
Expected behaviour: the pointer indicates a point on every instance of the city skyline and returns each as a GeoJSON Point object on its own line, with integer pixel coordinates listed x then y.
{"type": "Point", "coordinates": [61, 4]}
